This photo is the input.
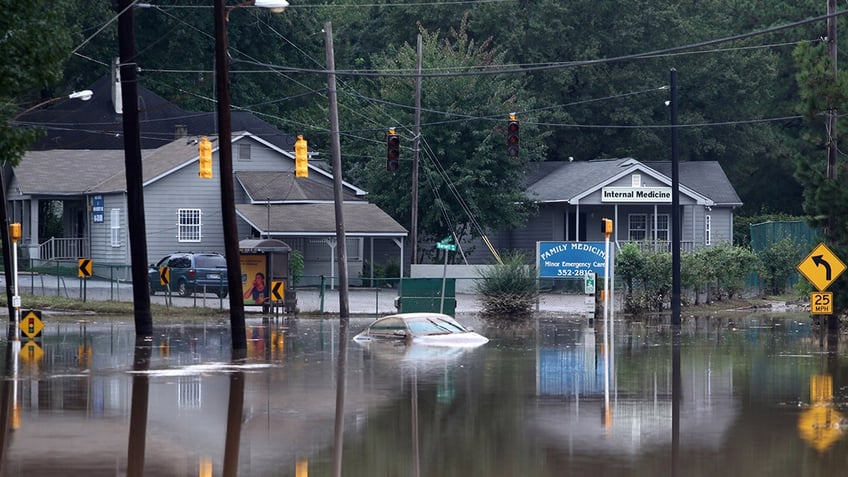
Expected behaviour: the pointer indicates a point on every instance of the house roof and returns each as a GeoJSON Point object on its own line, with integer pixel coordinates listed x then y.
{"type": "Point", "coordinates": [83, 171]}
{"type": "Point", "coordinates": [285, 187]}
{"type": "Point", "coordinates": [66, 172]}
{"type": "Point", "coordinates": [706, 177]}
{"type": "Point", "coordinates": [360, 218]}
{"type": "Point", "coordinates": [562, 181]}
{"type": "Point", "coordinates": [94, 124]}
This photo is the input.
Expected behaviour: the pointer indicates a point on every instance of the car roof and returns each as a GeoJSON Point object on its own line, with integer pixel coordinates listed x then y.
{"type": "Point", "coordinates": [417, 316]}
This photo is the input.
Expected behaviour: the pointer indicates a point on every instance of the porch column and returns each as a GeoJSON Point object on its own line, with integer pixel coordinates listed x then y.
{"type": "Point", "coordinates": [32, 241]}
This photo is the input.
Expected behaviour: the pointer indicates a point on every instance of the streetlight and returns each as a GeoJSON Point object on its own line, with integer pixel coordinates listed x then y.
{"type": "Point", "coordinates": [225, 156]}
{"type": "Point", "coordinates": [12, 295]}
{"type": "Point", "coordinates": [84, 95]}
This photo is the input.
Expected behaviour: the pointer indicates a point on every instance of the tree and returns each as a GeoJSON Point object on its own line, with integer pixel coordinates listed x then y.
{"type": "Point", "coordinates": [467, 182]}
{"type": "Point", "coordinates": [35, 44]}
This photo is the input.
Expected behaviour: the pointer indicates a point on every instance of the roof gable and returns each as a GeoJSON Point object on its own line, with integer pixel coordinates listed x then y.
{"type": "Point", "coordinates": [703, 181]}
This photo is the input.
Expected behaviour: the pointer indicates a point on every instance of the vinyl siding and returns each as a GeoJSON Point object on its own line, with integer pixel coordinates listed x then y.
{"type": "Point", "coordinates": [183, 189]}
{"type": "Point", "coordinates": [100, 234]}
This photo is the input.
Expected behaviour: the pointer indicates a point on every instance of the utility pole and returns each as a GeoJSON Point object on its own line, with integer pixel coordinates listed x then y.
{"type": "Point", "coordinates": [831, 111]}
{"type": "Point", "coordinates": [832, 321]}
{"type": "Point", "coordinates": [336, 150]}
{"type": "Point", "coordinates": [675, 207]}
{"type": "Point", "coordinates": [415, 154]}
{"type": "Point", "coordinates": [133, 170]}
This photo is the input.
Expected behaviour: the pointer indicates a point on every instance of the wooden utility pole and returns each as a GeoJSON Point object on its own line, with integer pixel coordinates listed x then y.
{"type": "Point", "coordinates": [832, 321]}
{"type": "Point", "coordinates": [132, 164]}
{"type": "Point", "coordinates": [336, 151]}
{"type": "Point", "coordinates": [831, 111]}
{"type": "Point", "coordinates": [415, 153]}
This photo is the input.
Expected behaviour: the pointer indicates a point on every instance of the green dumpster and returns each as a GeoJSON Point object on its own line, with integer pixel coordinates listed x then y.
{"type": "Point", "coordinates": [425, 295]}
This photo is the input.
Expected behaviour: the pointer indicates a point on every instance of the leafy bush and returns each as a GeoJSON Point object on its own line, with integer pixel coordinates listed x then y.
{"type": "Point", "coordinates": [508, 291]}
{"type": "Point", "coordinates": [777, 264]}
{"type": "Point", "coordinates": [717, 272]}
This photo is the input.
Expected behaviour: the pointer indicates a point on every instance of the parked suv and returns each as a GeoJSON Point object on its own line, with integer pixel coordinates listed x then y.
{"type": "Point", "coordinates": [190, 272]}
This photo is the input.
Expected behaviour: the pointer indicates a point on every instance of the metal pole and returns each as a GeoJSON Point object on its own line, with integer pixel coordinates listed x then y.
{"type": "Point", "coordinates": [7, 247]}
{"type": "Point", "coordinates": [228, 204]}
{"type": "Point", "coordinates": [444, 279]}
{"type": "Point", "coordinates": [675, 207]}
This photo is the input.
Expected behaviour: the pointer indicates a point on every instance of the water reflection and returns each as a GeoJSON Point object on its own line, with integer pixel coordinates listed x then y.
{"type": "Point", "coordinates": [726, 394]}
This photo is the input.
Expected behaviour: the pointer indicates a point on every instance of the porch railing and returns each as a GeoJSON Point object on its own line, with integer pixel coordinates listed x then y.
{"type": "Point", "coordinates": [660, 245]}
{"type": "Point", "coordinates": [63, 248]}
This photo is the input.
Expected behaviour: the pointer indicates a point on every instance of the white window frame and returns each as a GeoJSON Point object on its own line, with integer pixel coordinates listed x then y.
{"type": "Point", "coordinates": [189, 225]}
{"type": "Point", "coordinates": [708, 234]}
{"type": "Point", "coordinates": [244, 151]}
{"type": "Point", "coordinates": [632, 228]}
{"type": "Point", "coordinates": [115, 227]}
{"type": "Point", "coordinates": [660, 230]}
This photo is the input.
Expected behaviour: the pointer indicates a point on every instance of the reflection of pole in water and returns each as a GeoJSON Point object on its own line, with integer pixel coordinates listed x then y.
{"type": "Point", "coordinates": [6, 398]}
{"type": "Point", "coordinates": [235, 412]}
{"type": "Point", "coordinates": [676, 388]}
{"type": "Point", "coordinates": [138, 410]}
{"type": "Point", "coordinates": [338, 434]}
{"type": "Point", "coordinates": [416, 458]}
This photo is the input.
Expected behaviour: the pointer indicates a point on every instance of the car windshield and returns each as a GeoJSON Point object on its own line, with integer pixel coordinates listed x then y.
{"type": "Point", "coordinates": [434, 326]}
{"type": "Point", "coordinates": [210, 261]}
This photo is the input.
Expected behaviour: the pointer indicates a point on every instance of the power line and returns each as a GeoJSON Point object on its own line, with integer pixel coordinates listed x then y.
{"type": "Point", "coordinates": [508, 69]}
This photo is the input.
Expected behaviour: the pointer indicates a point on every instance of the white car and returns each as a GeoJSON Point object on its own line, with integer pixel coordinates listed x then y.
{"type": "Point", "coordinates": [432, 329]}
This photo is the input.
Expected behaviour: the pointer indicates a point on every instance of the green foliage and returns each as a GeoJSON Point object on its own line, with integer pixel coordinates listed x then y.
{"type": "Point", "coordinates": [35, 43]}
{"type": "Point", "coordinates": [296, 266]}
{"type": "Point", "coordinates": [465, 175]}
{"type": "Point", "coordinates": [717, 272]}
{"type": "Point", "coordinates": [777, 264]}
{"type": "Point", "coordinates": [509, 290]}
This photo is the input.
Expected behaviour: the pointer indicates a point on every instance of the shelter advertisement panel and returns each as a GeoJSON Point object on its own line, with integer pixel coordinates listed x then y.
{"type": "Point", "coordinates": [253, 278]}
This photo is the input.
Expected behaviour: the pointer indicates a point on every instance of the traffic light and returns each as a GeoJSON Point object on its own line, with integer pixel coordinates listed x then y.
{"type": "Point", "coordinates": [606, 227]}
{"type": "Point", "coordinates": [392, 151]}
{"type": "Point", "coordinates": [205, 147]}
{"type": "Point", "coordinates": [301, 158]}
{"type": "Point", "coordinates": [512, 136]}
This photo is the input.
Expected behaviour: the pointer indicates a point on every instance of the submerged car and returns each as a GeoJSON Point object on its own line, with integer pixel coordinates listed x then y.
{"type": "Point", "coordinates": [191, 272]}
{"type": "Point", "coordinates": [434, 329]}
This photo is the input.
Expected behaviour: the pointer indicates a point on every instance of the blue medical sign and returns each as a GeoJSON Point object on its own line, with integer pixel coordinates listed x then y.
{"type": "Point", "coordinates": [569, 259]}
{"type": "Point", "coordinates": [97, 209]}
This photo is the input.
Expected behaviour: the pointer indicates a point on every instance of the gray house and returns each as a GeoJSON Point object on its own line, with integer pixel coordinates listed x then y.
{"type": "Point", "coordinates": [87, 190]}
{"type": "Point", "coordinates": [573, 197]}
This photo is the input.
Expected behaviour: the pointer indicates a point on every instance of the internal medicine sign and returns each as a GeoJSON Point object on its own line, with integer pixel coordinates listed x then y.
{"type": "Point", "coordinates": [569, 259]}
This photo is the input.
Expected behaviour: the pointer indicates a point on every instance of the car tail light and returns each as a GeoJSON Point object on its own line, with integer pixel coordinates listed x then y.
{"type": "Point", "coordinates": [192, 273]}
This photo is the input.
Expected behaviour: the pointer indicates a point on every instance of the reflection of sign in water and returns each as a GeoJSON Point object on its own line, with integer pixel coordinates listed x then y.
{"type": "Point", "coordinates": [569, 259]}
{"type": "Point", "coordinates": [821, 424]}
{"type": "Point", "coordinates": [97, 209]}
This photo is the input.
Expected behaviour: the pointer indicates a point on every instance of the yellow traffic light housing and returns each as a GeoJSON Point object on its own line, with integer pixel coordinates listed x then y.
{"type": "Point", "coordinates": [512, 130]}
{"type": "Point", "coordinates": [606, 227]}
{"type": "Point", "coordinates": [392, 151]}
{"type": "Point", "coordinates": [301, 157]}
{"type": "Point", "coordinates": [205, 151]}
{"type": "Point", "coordinates": [15, 231]}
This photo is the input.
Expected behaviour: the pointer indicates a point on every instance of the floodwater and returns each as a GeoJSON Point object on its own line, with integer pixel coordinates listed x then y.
{"type": "Point", "coordinates": [735, 395]}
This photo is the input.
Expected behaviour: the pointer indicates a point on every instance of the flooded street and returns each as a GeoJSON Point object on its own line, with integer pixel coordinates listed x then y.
{"type": "Point", "coordinates": [758, 394]}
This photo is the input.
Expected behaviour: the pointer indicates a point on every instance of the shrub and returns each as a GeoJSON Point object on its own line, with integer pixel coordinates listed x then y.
{"type": "Point", "coordinates": [508, 291]}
